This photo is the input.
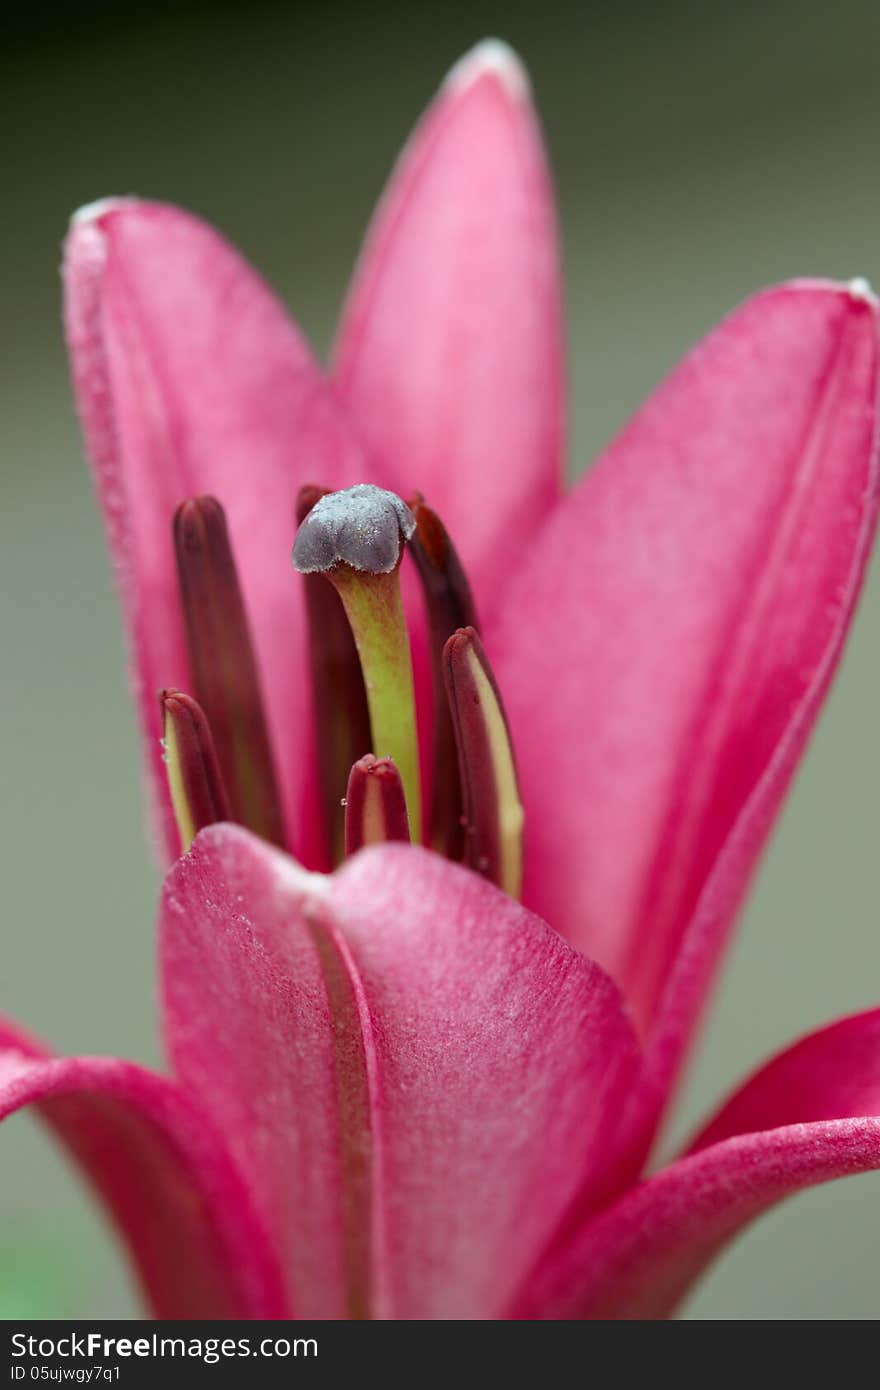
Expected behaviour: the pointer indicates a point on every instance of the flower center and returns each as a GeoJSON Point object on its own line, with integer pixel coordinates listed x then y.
{"type": "Point", "coordinates": [355, 540]}
{"type": "Point", "coordinates": [349, 549]}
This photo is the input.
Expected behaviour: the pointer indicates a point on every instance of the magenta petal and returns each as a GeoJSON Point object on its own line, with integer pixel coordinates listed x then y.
{"type": "Point", "coordinates": [450, 352]}
{"type": "Point", "coordinates": [831, 1074]}
{"type": "Point", "coordinates": [191, 379]}
{"type": "Point", "coordinates": [502, 1059]}
{"type": "Point", "coordinates": [816, 1110]}
{"type": "Point", "coordinates": [640, 1258]}
{"type": "Point", "coordinates": [477, 1064]}
{"type": "Point", "coordinates": [665, 650]}
{"type": "Point", "coordinates": [168, 1182]}
{"type": "Point", "coordinates": [250, 1029]}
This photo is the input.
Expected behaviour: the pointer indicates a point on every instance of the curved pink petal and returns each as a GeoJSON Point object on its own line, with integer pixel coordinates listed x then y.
{"type": "Point", "coordinates": [420, 1077]}
{"type": "Point", "coordinates": [664, 651]}
{"type": "Point", "coordinates": [167, 1181]}
{"type": "Point", "coordinates": [831, 1074]}
{"type": "Point", "coordinates": [816, 1112]}
{"type": "Point", "coordinates": [191, 379]}
{"type": "Point", "coordinates": [639, 1258]}
{"type": "Point", "coordinates": [250, 1028]}
{"type": "Point", "coordinates": [502, 1059]}
{"type": "Point", "coordinates": [450, 354]}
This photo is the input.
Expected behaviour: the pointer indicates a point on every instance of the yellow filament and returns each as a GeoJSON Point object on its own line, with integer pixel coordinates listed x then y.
{"type": "Point", "coordinates": [511, 817]}
{"type": "Point", "coordinates": [186, 825]}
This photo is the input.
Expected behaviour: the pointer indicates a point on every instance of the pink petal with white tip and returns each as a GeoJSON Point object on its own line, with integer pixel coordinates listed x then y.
{"type": "Point", "coordinates": [190, 379]}
{"type": "Point", "coordinates": [450, 354]}
{"type": "Point", "coordinates": [666, 647]}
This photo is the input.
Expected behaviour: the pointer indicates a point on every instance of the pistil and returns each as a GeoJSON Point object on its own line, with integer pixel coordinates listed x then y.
{"type": "Point", "coordinates": [355, 538]}
{"type": "Point", "coordinates": [342, 717]}
{"type": "Point", "coordinates": [493, 813]}
{"type": "Point", "coordinates": [223, 665]}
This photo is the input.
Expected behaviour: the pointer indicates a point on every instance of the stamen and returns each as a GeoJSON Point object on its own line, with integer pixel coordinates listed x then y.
{"type": "Point", "coordinates": [355, 539]}
{"type": "Point", "coordinates": [450, 605]}
{"type": "Point", "coordinates": [223, 664]}
{"type": "Point", "coordinates": [195, 781]}
{"type": "Point", "coordinates": [493, 812]}
{"type": "Point", "coordinates": [375, 804]}
{"type": "Point", "coordinates": [342, 717]}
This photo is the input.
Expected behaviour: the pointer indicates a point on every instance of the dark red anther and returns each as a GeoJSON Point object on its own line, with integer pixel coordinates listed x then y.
{"type": "Point", "coordinates": [450, 606]}
{"type": "Point", "coordinates": [195, 781]}
{"type": "Point", "coordinates": [493, 813]}
{"type": "Point", "coordinates": [375, 804]}
{"type": "Point", "coordinates": [223, 665]}
{"type": "Point", "coordinates": [341, 714]}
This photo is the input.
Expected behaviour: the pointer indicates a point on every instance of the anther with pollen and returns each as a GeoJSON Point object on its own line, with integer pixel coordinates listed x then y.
{"type": "Point", "coordinates": [493, 813]}
{"type": "Point", "coordinates": [342, 717]}
{"type": "Point", "coordinates": [355, 539]}
{"type": "Point", "coordinates": [449, 605]}
{"type": "Point", "coordinates": [195, 782]}
{"type": "Point", "coordinates": [375, 804]}
{"type": "Point", "coordinates": [223, 665]}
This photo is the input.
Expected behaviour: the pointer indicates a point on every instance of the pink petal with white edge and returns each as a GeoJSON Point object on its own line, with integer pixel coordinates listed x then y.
{"type": "Point", "coordinates": [191, 379]}
{"type": "Point", "coordinates": [167, 1181]}
{"type": "Point", "coordinates": [450, 354]}
{"type": "Point", "coordinates": [816, 1112]}
{"type": "Point", "coordinates": [664, 651]}
{"type": "Point", "coordinates": [478, 1064]}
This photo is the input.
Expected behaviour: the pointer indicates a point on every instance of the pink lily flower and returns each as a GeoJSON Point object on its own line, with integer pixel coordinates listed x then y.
{"type": "Point", "coordinates": [395, 1091]}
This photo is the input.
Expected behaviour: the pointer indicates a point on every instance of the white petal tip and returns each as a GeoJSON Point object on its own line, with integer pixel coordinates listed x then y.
{"type": "Point", "coordinates": [491, 57]}
{"type": "Point", "coordinates": [860, 288]}
{"type": "Point", "coordinates": [91, 212]}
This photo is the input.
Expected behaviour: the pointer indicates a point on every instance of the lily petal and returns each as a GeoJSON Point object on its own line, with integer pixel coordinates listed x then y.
{"type": "Point", "coordinates": [252, 1028]}
{"type": "Point", "coordinates": [816, 1112]}
{"type": "Point", "coordinates": [492, 1038]}
{"type": "Point", "coordinates": [665, 650]}
{"type": "Point", "coordinates": [165, 1178]}
{"type": "Point", "coordinates": [190, 379]}
{"type": "Point", "coordinates": [831, 1074]}
{"type": "Point", "coordinates": [450, 354]}
{"type": "Point", "coordinates": [373, 1042]}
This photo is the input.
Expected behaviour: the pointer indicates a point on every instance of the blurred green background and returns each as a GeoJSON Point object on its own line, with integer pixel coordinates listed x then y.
{"type": "Point", "coordinates": [700, 152]}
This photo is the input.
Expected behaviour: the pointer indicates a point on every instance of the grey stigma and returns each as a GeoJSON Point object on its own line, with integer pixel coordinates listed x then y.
{"type": "Point", "coordinates": [362, 526]}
